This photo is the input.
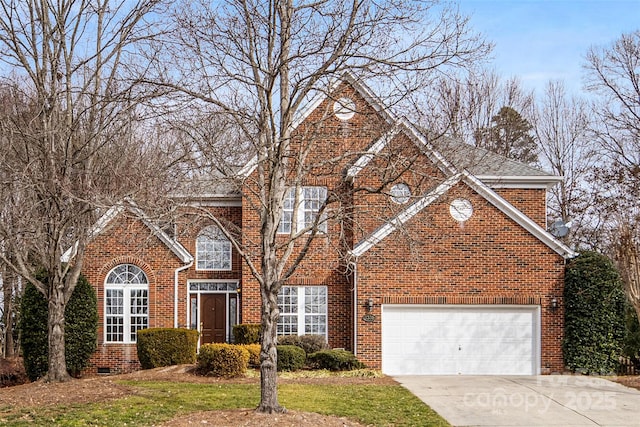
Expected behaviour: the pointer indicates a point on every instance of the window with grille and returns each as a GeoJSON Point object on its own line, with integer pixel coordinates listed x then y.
{"type": "Point", "coordinates": [126, 303]}
{"type": "Point", "coordinates": [303, 310]}
{"type": "Point", "coordinates": [213, 250]}
{"type": "Point", "coordinates": [306, 210]}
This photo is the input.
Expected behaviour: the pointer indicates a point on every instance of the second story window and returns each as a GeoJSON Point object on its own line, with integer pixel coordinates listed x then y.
{"type": "Point", "coordinates": [310, 201]}
{"type": "Point", "coordinates": [213, 250]}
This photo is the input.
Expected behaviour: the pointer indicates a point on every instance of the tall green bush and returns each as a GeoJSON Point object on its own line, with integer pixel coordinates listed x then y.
{"type": "Point", "coordinates": [81, 329]}
{"type": "Point", "coordinates": [594, 315]}
{"type": "Point", "coordinates": [34, 332]}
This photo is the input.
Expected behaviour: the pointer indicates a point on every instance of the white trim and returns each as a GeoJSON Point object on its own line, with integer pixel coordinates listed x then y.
{"type": "Point", "coordinates": [375, 149]}
{"type": "Point", "coordinates": [126, 304]}
{"type": "Point", "coordinates": [524, 221]}
{"type": "Point", "coordinates": [484, 191]}
{"type": "Point", "coordinates": [347, 77]}
{"type": "Point", "coordinates": [517, 181]}
{"type": "Point", "coordinates": [214, 241]}
{"type": "Point", "coordinates": [96, 229]}
{"type": "Point", "coordinates": [396, 222]}
{"type": "Point", "coordinates": [113, 212]}
{"type": "Point", "coordinates": [198, 292]}
{"type": "Point", "coordinates": [301, 313]}
{"type": "Point", "coordinates": [175, 292]}
{"type": "Point", "coordinates": [228, 202]}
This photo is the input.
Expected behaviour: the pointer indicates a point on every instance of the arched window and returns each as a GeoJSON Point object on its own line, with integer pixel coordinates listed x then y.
{"type": "Point", "coordinates": [126, 303]}
{"type": "Point", "coordinates": [213, 250]}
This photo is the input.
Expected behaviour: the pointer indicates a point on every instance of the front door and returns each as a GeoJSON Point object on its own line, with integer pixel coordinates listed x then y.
{"type": "Point", "coordinates": [213, 318]}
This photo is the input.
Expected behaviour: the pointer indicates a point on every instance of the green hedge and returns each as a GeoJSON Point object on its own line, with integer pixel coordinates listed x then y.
{"type": "Point", "coordinates": [594, 315]}
{"type": "Point", "coordinates": [290, 358]}
{"type": "Point", "coordinates": [222, 360]}
{"type": "Point", "coordinates": [247, 333]}
{"type": "Point", "coordinates": [166, 346]}
{"type": "Point", "coordinates": [81, 328]}
{"type": "Point", "coordinates": [632, 336]}
{"type": "Point", "coordinates": [34, 333]}
{"type": "Point", "coordinates": [309, 343]}
{"type": "Point", "coordinates": [334, 360]}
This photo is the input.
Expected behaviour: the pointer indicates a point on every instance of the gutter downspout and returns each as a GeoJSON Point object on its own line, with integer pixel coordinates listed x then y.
{"type": "Point", "coordinates": [175, 292]}
{"type": "Point", "coordinates": [354, 266]}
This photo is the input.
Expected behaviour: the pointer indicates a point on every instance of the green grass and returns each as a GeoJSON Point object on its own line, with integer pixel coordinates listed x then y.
{"type": "Point", "coordinates": [157, 402]}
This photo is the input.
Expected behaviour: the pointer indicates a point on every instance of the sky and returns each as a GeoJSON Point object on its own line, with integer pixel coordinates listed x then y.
{"type": "Point", "coordinates": [539, 40]}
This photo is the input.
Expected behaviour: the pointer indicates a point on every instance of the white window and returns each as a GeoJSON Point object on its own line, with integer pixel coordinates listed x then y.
{"type": "Point", "coordinates": [126, 303]}
{"type": "Point", "coordinates": [400, 193]}
{"type": "Point", "coordinates": [213, 250]}
{"type": "Point", "coordinates": [303, 310]}
{"type": "Point", "coordinates": [310, 201]}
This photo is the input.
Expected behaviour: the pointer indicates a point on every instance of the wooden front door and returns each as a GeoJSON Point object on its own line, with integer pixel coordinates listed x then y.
{"type": "Point", "coordinates": [213, 318]}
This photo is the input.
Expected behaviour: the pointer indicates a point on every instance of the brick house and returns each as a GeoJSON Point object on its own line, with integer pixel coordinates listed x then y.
{"type": "Point", "coordinates": [434, 258]}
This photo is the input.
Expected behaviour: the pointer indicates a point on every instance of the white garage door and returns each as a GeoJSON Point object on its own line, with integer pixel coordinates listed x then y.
{"type": "Point", "coordinates": [460, 340]}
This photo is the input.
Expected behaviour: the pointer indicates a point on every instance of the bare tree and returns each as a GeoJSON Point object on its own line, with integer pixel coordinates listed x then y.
{"type": "Point", "coordinates": [464, 104]}
{"type": "Point", "coordinates": [257, 63]}
{"type": "Point", "coordinates": [68, 141]}
{"type": "Point", "coordinates": [613, 76]}
{"type": "Point", "coordinates": [627, 257]}
{"type": "Point", "coordinates": [561, 125]}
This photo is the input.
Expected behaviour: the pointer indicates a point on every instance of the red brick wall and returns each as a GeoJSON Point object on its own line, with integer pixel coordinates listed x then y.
{"type": "Point", "coordinates": [530, 201]}
{"type": "Point", "coordinates": [128, 240]}
{"type": "Point", "coordinates": [336, 145]}
{"type": "Point", "coordinates": [487, 260]}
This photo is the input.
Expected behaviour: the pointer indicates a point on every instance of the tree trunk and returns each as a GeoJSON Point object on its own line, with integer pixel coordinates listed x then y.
{"type": "Point", "coordinates": [57, 363]}
{"type": "Point", "coordinates": [268, 354]}
{"type": "Point", "coordinates": [8, 282]}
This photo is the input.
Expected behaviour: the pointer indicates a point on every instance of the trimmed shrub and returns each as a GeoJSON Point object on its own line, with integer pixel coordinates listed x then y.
{"type": "Point", "coordinates": [254, 354]}
{"type": "Point", "coordinates": [81, 328]}
{"type": "Point", "coordinates": [309, 343]}
{"type": "Point", "coordinates": [334, 360]}
{"type": "Point", "coordinates": [594, 315]}
{"type": "Point", "coordinates": [166, 346]}
{"type": "Point", "coordinates": [290, 357]}
{"type": "Point", "coordinates": [246, 333]}
{"type": "Point", "coordinates": [34, 333]}
{"type": "Point", "coordinates": [222, 360]}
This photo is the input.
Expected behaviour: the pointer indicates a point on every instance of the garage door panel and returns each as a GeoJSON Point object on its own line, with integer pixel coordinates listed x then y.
{"type": "Point", "coordinates": [446, 340]}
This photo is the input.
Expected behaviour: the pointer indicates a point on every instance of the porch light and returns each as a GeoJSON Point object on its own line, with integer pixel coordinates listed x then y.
{"type": "Point", "coordinates": [554, 303]}
{"type": "Point", "coordinates": [369, 304]}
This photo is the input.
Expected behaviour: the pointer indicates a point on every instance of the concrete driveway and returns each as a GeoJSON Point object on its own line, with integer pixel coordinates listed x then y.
{"type": "Point", "coordinates": [553, 400]}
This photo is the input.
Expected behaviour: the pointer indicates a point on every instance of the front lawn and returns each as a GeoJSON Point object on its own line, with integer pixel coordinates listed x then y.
{"type": "Point", "coordinates": [154, 402]}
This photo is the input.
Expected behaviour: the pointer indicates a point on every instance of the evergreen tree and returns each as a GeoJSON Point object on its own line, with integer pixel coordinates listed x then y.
{"type": "Point", "coordinates": [509, 135]}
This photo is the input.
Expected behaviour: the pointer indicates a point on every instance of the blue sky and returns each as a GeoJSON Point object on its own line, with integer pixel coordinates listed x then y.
{"type": "Point", "coordinates": [538, 40]}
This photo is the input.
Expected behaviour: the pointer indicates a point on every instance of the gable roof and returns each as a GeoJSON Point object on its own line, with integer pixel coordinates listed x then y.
{"type": "Point", "coordinates": [492, 168]}
{"type": "Point", "coordinates": [306, 110]}
{"type": "Point", "coordinates": [480, 188]}
{"type": "Point", "coordinates": [452, 156]}
{"type": "Point", "coordinates": [113, 212]}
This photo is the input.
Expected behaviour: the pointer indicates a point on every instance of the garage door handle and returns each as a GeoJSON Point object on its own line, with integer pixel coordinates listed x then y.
{"type": "Point", "coordinates": [459, 348]}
